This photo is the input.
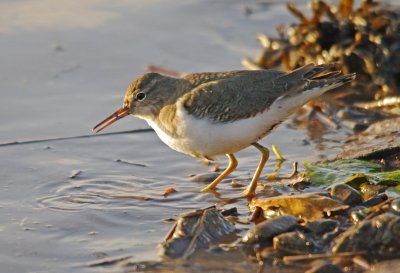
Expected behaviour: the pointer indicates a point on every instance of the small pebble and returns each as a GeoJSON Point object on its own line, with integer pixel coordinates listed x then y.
{"type": "Point", "coordinates": [395, 205]}
{"type": "Point", "coordinates": [346, 194]}
{"type": "Point", "coordinates": [75, 173]}
{"type": "Point", "coordinates": [293, 242]}
{"type": "Point", "coordinates": [377, 199]}
{"type": "Point", "coordinates": [357, 216]}
{"type": "Point", "coordinates": [230, 212]}
{"type": "Point", "coordinates": [322, 226]}
{"type": "Point", "coordinates": [266, 230]}
{"type": "Point", "coordinates": [205, 177]}
{"type": "Point", "coordinates": [169, 220]}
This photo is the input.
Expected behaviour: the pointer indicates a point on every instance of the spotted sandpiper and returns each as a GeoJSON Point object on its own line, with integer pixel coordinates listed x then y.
{"type": "Point", "coordinates": [215, 113]}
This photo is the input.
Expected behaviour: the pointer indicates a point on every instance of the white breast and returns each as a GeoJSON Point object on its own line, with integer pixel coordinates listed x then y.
{"type": "Point", "coordinates": [203, 137]}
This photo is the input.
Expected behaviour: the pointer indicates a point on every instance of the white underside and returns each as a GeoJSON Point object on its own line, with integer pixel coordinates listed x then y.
{"type": "Point", "coordinates": [203, 137]}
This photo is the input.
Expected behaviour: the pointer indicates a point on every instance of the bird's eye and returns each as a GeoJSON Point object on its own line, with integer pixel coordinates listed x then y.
{"type": "Point", "coordinates": [140, 96]}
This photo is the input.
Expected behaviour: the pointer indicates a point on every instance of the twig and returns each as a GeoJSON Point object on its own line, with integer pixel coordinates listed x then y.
{"type": "Point", "coordinates": [73, 137]}
{"type": "Point", "coordinates": [296, 258]}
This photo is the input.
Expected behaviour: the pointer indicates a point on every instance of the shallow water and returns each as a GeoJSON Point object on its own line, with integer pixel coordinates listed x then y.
{"type": "Point", "coordinates": [67, 203]}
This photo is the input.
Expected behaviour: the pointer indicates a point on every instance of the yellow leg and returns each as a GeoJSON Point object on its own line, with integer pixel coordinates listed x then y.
{"type": "Point", "coordinates": [232, 166]}
{"type": "Point", "coordinates": [250, 192]}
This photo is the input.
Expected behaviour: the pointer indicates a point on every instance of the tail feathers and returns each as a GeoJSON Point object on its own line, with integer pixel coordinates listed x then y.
{"type": "Point", "coordinates": [309, 83]}
{"type": "Point", "coordinates": [327, 75]}
{"type": "Point", "coordinates": [313, 79]}
{"type": "Point", "coordinates": [332, 80]}
{"type": "Point", "coordinates": [307, 72]}
{"type": "Point", "coordinates": [319, 69]}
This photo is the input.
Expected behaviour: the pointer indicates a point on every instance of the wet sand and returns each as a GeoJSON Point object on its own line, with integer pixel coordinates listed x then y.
{"type": "Point", "coordinates": [64, 68]}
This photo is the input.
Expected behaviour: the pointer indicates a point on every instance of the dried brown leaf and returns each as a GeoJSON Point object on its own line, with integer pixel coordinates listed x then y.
{"type": "Point", "coordinates": [168, 191]}
{"type": "Point", "coordinates": [345, 8]}
{"type": "Point", "coordinates": [309, 206]}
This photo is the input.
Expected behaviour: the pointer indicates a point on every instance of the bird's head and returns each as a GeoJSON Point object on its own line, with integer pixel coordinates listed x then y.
{"type": "Point", "coordinates": [144, 98]}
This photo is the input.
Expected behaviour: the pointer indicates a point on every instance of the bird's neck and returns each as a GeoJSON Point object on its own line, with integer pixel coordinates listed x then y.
{"type": "Point", "coordinates": [166, 120]}
{"type": "Point", "coordinates": [176, 89]}
{"type": "Point", "coordinates": [164, 116]}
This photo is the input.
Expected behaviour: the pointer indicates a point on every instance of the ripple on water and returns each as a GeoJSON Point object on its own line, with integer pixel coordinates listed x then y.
{"type": "Point", "coordinates": [111, 192]}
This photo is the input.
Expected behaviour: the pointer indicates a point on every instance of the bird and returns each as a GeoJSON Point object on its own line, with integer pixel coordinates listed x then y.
{"type": "Point", "coordinates": [209, 114]}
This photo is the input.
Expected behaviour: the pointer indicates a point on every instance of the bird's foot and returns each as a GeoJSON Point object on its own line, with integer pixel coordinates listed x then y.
{"type": "Point", "coordinates": [208, 189]}
{"type": "Point", "coordinates": [249, 193]}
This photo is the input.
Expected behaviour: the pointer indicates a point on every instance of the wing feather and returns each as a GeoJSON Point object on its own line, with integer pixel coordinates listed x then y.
{"type": "Point", "coordinates": [234, 97]}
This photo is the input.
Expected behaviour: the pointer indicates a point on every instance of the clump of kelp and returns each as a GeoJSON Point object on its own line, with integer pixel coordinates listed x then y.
{"type": "Point", "coordinates": [364, 40]}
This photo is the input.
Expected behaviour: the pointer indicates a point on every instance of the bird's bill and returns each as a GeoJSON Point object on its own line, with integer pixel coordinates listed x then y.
{"type": "Point", "coordinates": [120, 113]}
